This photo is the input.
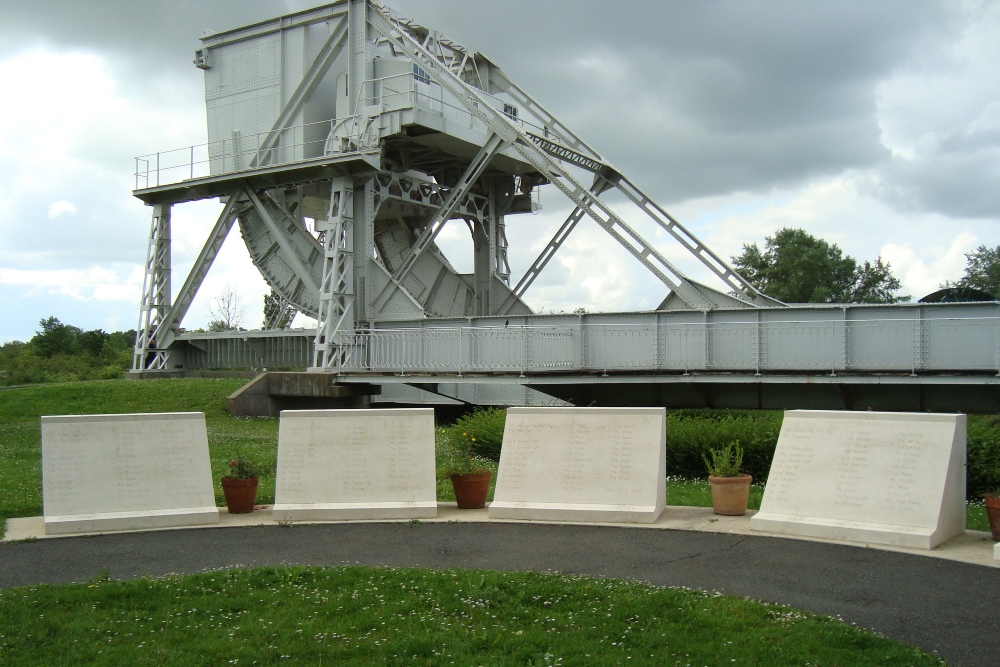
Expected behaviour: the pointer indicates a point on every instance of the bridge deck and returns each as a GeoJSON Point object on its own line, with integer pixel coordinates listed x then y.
{"type": "Point", "coordinates": [910, 356]}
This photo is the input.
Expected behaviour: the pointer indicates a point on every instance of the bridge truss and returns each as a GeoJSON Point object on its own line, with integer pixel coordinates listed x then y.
{"type": "Point", "coordinates": [342, 140]}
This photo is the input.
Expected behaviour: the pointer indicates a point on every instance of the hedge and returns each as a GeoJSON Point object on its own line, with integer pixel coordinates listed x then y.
{"type": "Point", "coordinates": [693, 433]}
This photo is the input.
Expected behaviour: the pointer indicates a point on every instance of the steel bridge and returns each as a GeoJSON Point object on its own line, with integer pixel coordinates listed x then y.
{"type": "Point", "coordinates": [343, 138]}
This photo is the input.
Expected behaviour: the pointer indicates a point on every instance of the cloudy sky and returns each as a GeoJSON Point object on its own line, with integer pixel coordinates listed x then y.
{"type": "Point", "coordinates": [873, 125]}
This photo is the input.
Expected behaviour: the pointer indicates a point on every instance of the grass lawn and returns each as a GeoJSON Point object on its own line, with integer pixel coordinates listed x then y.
{"type": "Point", "coordinates": [368, 616]}
{"type": "Point", "coordinates": [20, 445]}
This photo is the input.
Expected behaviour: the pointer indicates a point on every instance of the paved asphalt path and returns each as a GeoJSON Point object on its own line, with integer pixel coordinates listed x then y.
{"type": "Point", "coordinates": [942, 606]}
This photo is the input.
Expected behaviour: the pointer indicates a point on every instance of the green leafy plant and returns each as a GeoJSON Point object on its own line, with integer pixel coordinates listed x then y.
{"type": "Point", "coordinates": [473, 465]}
{"type": "Point", "coordinates": [725, 462]}
{"type": "Point", "coordinates": [457, 457]}
{"type": "Point", "coordinates": [481, 432]}
{"type": "Point", "coordinates": [471, 446]}
{"type": "Point", "coordinates": [245, 468]}
{"type": "Point", "coordinates": [983, 461]}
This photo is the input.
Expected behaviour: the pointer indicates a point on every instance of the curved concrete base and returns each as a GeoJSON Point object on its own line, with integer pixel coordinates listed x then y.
{"type": "Point", "coordinates": [973, 547]}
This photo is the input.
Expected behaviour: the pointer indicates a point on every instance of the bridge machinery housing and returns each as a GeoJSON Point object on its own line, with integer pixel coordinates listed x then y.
{"type": "Point", "coordinates": [343, 138]}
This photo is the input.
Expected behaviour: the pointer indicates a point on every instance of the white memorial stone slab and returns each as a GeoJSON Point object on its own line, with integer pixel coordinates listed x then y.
{"type": "Point", "coordinates": [582, 464]}
{"type": "Point", "coordinates": [875, 477]}
{"type": "Point", "coordinates": [126, 472]}
{"type": "Point", "coordinates": [355, 464]}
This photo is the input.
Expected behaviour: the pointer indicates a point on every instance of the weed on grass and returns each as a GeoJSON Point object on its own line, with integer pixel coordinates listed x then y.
{"type": "Point", "coordinates": [368, 616]}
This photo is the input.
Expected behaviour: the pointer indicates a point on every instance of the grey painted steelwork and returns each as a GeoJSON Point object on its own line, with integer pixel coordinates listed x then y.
{"type": "Point", "coordinates": [342, 139]}
{"type": "Point", "coordinates": [942, 357]}
{"type": "Point", "coordinates": [961, 339]}
{"type": "Point", "coordinates": [246, 350]}
{"type": "Point", "coordinates": [907, 338]}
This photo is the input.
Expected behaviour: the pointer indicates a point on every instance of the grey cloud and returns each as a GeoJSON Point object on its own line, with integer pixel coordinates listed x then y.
{"type": "Point", "coordinates": [136, 29]}
{"type": "Point", "coordinates": [151, 43]}
{"type": "Point", "coordinates": [715, 97]}
{"type": "Point", "coordinates": [798, 77]}
{"type": "Point", "coordinates": [968, 140]}
{"type": "Point", "coordinates": [956, 184]}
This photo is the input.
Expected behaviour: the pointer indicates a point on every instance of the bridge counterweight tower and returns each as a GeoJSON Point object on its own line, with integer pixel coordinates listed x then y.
{"type": "Point", "coordinates": [381, 132]}
{"type": "Point", "coordinates": [342, 139]}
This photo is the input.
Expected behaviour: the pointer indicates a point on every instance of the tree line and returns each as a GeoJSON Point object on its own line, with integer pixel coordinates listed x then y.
{"type": "Point", "coordinates": [64, 353]}
{"type": "Point", "coordinates": [796, 267]}
{"type": "Point", "coordinates": [793, 267]}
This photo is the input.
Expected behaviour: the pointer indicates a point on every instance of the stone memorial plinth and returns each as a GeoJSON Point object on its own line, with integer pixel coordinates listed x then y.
{"type": "Point", "coordinates": [126, 472]}
{"type": "Point", "coordinates": [874, 477]}
{"type": "Point", "coordinates": [582, 464]}
{"type": "Point", "coordinates": [355, 464]}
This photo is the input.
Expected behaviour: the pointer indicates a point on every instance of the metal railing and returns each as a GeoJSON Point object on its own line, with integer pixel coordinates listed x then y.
{"type": "Point", "coordinates": [830, 346]}
{"type": "Point", "coordinates": [959, 339]}
{"type": "Point", "coordinates": [239, 153]}
{"type": "Point", "coordinates": [308, 141]}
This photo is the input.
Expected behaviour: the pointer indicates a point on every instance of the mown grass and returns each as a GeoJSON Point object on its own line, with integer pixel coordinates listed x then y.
{"type": "Point", "coordinates": [20, 431]}
{"type": "Point", "coordinates": [119, 397]}
{"type": "Point", "coordinates": [368, 616]}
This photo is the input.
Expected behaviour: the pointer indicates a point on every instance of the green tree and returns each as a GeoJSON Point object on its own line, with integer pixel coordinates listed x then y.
{"type": "Point", "coordinates": [56, 338]}
{"type": "Point", "coordinates": [92, 342]}
{"type": "Point", "coordinates": [64, 353]}
{"type": "Point", "coordinates": [797, 267]}
{"type": "Point", "coordinates": [118, 342]}
{"type": "Point", "coordinates": [982, 270]}
{"type": "Point", "coordinates": [276, 311]}
{"type": "Point", "coordinates": [874, 283]}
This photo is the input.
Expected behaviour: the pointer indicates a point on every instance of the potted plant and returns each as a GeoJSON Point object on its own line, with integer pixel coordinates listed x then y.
{"type": "Point", "coordinates": [240, 485]}
{"type": "Point", "coordinates": [730, 487]}
{"type": "Point", "coordinates": [470, 474]}
{"type": "Point", "coordinates": [992, 502]}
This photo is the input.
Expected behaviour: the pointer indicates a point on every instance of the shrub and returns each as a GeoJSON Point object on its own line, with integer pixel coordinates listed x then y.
{"type": "Point", "coordinates": [244, 467]}
{"type": "Point", "coordinates": [693, 434]}
{"type": "Point", "coordinates": [455, 457]}
{"type": "Point", "coordinates": [481, 431]}
{"type": "Point", "coordinates": [64, 353]}
{"type": "Point", "coordinates": [983, 448]}
{"type": "Point", "coordinates": [726, 461]}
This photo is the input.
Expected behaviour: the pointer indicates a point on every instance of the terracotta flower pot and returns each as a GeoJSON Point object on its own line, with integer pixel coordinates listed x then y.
{"type": "Point", "coordinates": [241, 494]}
{"type": "Point", "coordinates": [992, 502]}
{"type": "Point", "coordinates": [471, 490]}
{"type": "Point", "coordinates": [730, 494]}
